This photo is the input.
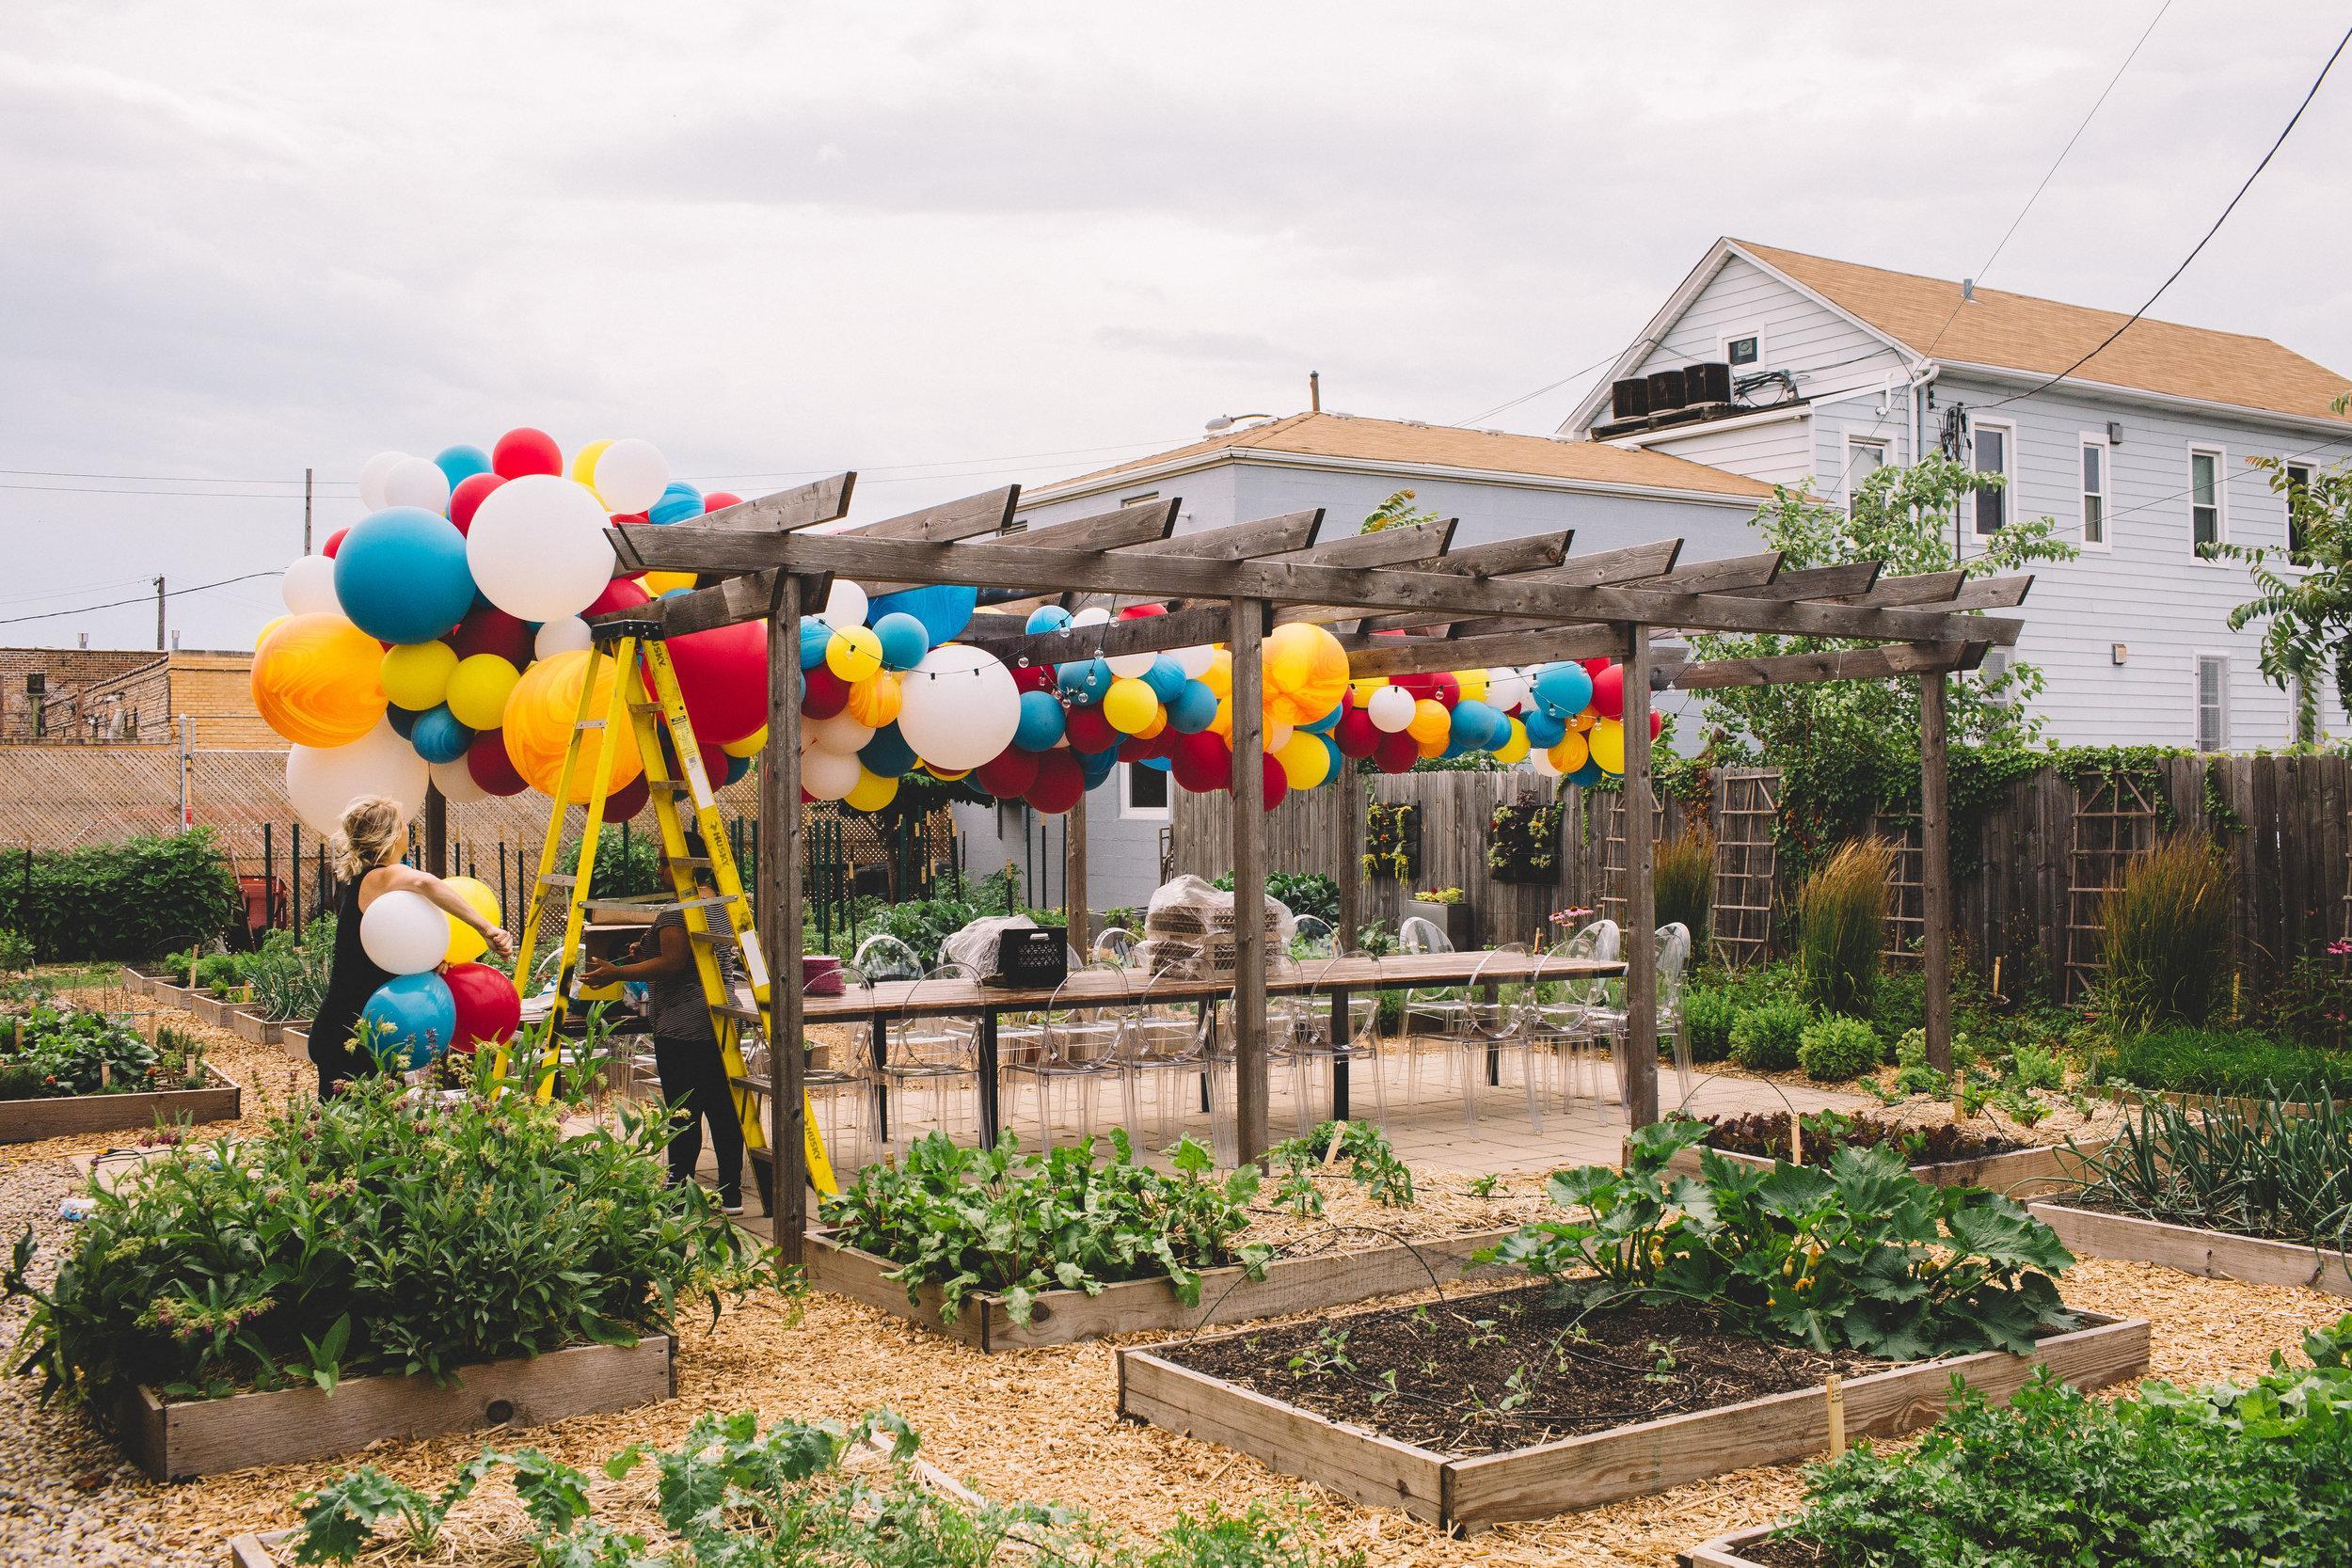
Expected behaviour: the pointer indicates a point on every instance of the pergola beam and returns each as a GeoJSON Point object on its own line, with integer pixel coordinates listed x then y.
{"type": "Point", "coordinates": [1845, 664]}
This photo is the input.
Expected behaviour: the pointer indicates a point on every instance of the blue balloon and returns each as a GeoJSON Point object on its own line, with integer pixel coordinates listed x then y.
{"type": "Point", "coordinates": [1326, 725]}
{"type": "Point", "coordinates": [889, 754]}
{"type": "Point", "coordinates": [1564, 689]}
{"type": "Point", "coordinates": [460, 463]}
{"type": "Point", "coordinates": [1166, 678]}
{"type": "Point", "coordinates": [673, 592]}
{"type": "Point", "coordinates": [680, 503]}
{"type": "Point", "coordinates": [903, 640]}
{"type": "Point", "coordinates": [1162, 764]}
{"type": "Point", "coordinates": [1588, 773]}
{"type": "Point", "coordinates": [815, 636]}
{"type": "Point", "coordinates": [409, 1021]}
{"type": "Point", "coordinates": [1041, 721]}
{"type": "Point", "coordinates": [1476, 726]}
{"type": "Point", "coordinates": [737, 767]}
{"type": "Point", "coordinates": [1047, 617]}
{"type": "Point", "coordinates": [1339, 761]}
{"type": "Point", "coordinates": [1096, 766]}
{"type": "Point", "coordinates": [400, 574]}
{"type": "Point", "coordinates": [439, 736]}
{"type": "Point", "coordinates": [1544, 727]}
{"type": "Point", "coordinates": [1193, 709]}
{"type": "Point", "coordinates": [1084, 681]}
{"type": "Point", "coordinates": [944, 609]}
{"type": "Point", "coordinates": [402, 720]}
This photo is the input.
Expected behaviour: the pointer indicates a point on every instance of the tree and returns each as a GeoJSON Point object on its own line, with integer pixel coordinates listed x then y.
{"type": "Point", "coordinates": [2304, 592]}
{"type": "Point", "coordinates": [1398, 511]}
{"type": "Point", "coordinates": [1900, 516]}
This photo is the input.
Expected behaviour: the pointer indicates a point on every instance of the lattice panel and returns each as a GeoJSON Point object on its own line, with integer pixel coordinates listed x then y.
{"type": "Point", "coordinates": [2115, 823]}
{"type": "Point", "coordinates": [1609, 812]}
{"type": "Point", "coordinates": [1747, 862]}
{"type": "Point", "coordinates": [1906, 892]}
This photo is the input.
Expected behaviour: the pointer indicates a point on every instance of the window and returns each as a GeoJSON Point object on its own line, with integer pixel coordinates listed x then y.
{"type": "Point", "coordinates": [36, 683]}
{"type": "Point", "coordinates": [2213, 703]}
{"type": "Point", "coordinates": [1744, 353]}
{"type": "Point", "coordinates": [1991, 449]}
{"type": "Point", "coordinates": [2205, 521]}
{"type": "Point", "coordinates": [1864, 458]}
{"type": "Point", "coordinates": [2298, 486]}
{"type": "Point", "coordinates": [1142, 792]}
{"type": "Point", "coordinates": [2095, 490]}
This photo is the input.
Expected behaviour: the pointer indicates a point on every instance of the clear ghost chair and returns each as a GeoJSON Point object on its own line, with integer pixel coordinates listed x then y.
{"type": "Point", "coordinates": [1306, 1048]}
{"type": "Point", "coordinates": [1084, 1039]}
{"type": "Point", "coordinates": [1116, 945]}
{"type": "Point", "coordinates": [1441, 1005]}
{"type": "Point", "coordinates": [1171, 1057]}
{"type": "Point", "coordinates": [1493, 1029]}
{"type": "Point", "coordinates": [843, 1089]}
{"type": "Point", "coordinates": [1670, 959]}
{"type": "Point", "coordinates": [938, 1052]}
{"type": "Point", "coordinates": [1561, 1027]}
{"type": "Point", "coordinates": [1312, 937]}
{"type": "Point", "coordinates": [883, 957]}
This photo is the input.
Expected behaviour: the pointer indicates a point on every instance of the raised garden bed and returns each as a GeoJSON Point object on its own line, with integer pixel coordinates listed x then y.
{"type": "Point", "coordinates": [2017, 1173]}
{"type": "Point", "coordinates": [180, 1439]}
{"type": "Point", "coordinates": [1724, 1551]}
{"type": "Point", "coordinates": [57, 1117]}
{"type": "Point", "coordinates": [1303, 1284]}
{"type": "Point", "coordinates": [249, 1025]}
{"type": "Point", "coordinates": [2215, 1253]}
{"type": "Point", "coordinates": [1651, 1399]}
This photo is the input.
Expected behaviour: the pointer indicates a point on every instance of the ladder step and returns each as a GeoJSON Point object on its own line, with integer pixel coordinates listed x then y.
{"type": "Point", "coordinates": [725, 938]}
{"type": "Point", "coordinates": [666, 786]}
{"type": "Point", "coordinates": [561, 879]}
{"type": "Point", "coordinates": [737, 1012]}
{"type": "Point", "coordinates": [588, 724]}
{"type": "Point", "coordinates": [644, 707]}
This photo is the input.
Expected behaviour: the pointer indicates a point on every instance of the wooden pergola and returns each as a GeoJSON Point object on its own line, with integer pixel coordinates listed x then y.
{"type": "Point", "coordinates": [1401, 601]}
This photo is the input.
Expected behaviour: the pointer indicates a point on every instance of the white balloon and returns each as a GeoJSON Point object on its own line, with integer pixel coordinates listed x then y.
{"type": "Point", "coordinates": [1195, 662]}
{"type": "Point", "coordinates": [373, 478]}
{"type": "Point", "coordinates": [1540, 760]}
{"type": "Point", "coordinates": [631, 474]}
{"type": "Point", "coordinates": [537, 548]}
{"type": "Point", "coordinates": [308, 587]}
{"type": "Point", "coordinates": [1507, 688]}
{"type": "Point", "coordinates": [417, 481]}
{"type": "Point", "coordinates": [958, 708]}
{"type": "Point", "coordinates": [403, 933]}
{"type": "Point", "coordinates": [839, 733]}
{"type": "Point", "coordinates": [564, 635]}
{"type": "Point", "coordinates": [830, 775]}
{"type": "Point", "coordinates": [1130, 666]}
{"type": "Point", "coordinates": [1276, 737]}
{"type": "Point", "coordinates": [1390, 710]}
{"type": "Point", "coordinates": [845, 607]}
{"type": "Point", "coordinates": [455, 782]}
{"type": "Point", "coordinates": [1092, 615]}
{"type": "Point", "coordinates": [321, 781]}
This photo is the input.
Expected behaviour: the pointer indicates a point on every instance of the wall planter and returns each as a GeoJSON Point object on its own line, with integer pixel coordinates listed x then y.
{"type": "Point", "coordinates": [1470, 1492]}
{"type": "Point", "coordinates": [57, 1117]}
{"type": "Point", "coordinates": [2020, 1173]}
{"type": "Point", "coordinates": [1523, 842]}
{"type": "Point", "coordinates": [2215, 1253]}
{"type": "Point", "coordinates": [1227, 1296]}
{"type": "Point", "coordinates": [182, 1439]}
{"type": "Point", "coordinates": [1392, 842]}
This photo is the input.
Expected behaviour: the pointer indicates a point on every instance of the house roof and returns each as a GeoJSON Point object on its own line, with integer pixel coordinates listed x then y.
{"type": "Point", "coordinates": [1404, 442]}
{"type": "Point", "coordinates": [2043, 337]}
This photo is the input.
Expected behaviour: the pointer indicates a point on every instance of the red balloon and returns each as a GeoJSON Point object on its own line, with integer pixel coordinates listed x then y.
{"type": "Point", "coordinates": [1444, 687]}
{"type": "Point", "coordinates": [628, 594]}
{"type": "Point", "coordinates": [1420, 682]}
{"type": "Point", "coordinates": [1142, 611]}
{"type": "Point", "coordinates": [488, 629]}
{"type": "Point", "coordinates": [333, 543]}
{"type": "Point", "coordinates": [1135, 747]}
{"type": "Point", "coordinates": [1355, 734]}
{"type": "Point", "coordinates": [525, 451]}
{"type": "Point", "coordinates": [1059, 783]}
{"type": "Point", "coordinates": [1396, 754]}
{"type": "Point", "coordinates": [468, 497]}
{"type": "Point", "coordinates": [1008, 774]}
{"type": "Point", "coordinates": [722, 675]}
{"type": "Point", "coordinates": [1275, 784]}
{"type": "Point", "coordinates": [491, 766]}
{"type": "Point", "coordinates": [627, 801]}
{"type": "Point", "coordinates": [1656, 723]}
{"type": "Point", "coordinates": [488, 1007]}
{"type": "Point", "coordinates": [828, 693]}
{"type": "Point", "coordinates": [1032, 677]}
{"type": "Point", "coordinates": [1203, 762]}
{"type": "Point", "coordinates": [719, 501]}
{"type": "Point", "coordinates": [1089, 731]}
{"type": "Point", "coordinates": [630, 519]}
{"type": "Point", "coordinates": [1609, 692]}
{"type": "Point", "coordinates": [1593, 667]}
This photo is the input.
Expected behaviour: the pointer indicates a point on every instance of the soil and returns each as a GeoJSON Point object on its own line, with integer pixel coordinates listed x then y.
{"type": "Point", "coordinates": [1785, 1553]}
{"type": "Point", "coordinates": [1508, 1370]}
{"type": "Point", "coordinates": [1766, 1134]}
{"type": "Point", "coordinates": [2253, 1231]}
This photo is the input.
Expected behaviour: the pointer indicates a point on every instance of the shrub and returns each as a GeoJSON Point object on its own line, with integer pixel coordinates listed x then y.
{"type": "Point", "coordinates": [132, 899]}
{"type": "Point", "coordinates": [2231, 1062]}
{"type": "Point", "coordinates": [1300, 892]}
{"type": "Point", "coordinates": [1683, 875]}
{"type": "Point", "coordinates": [16, 953]}
{"type": "Point", "coordinates": [377, 1234]}
{"type": "Point", "coordinates": [1707, 1018]}
{"type": "Point", "coordinates": [1840, 925]}
{"type": "Point", "coordinates": [2164, 935]}
{"type": "Point", "coordinates": [1765, 1037]}
{"type": "Point", "coordinates": [1911, 1051]}
{"type": "Point", "coordinates": [1834, 1049]}
{"type": "Point", "coordinates": [2311, 1001]}
{"type": "Point", "coordinates": [1901, 1002]}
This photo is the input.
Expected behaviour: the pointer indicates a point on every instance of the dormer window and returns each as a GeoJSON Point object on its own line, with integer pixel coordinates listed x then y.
{"type": "Point", "coordinates": [1744, 353]}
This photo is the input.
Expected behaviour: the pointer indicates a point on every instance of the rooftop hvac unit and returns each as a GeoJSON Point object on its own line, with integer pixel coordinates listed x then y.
{"type": "Point", "coordinates": [1708, 381]}
{"type": "Point", "coordinates": [1629, 399]}
{"type": "Point", "coordinates": [1666, 391]}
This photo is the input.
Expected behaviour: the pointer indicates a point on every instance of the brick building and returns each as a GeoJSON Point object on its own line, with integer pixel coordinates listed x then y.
{"type": "Point", "coordinates": [115, 696]}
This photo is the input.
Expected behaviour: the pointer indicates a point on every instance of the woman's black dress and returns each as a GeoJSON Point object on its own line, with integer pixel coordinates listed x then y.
{"type": "Point", "coordinates": [351, 979]}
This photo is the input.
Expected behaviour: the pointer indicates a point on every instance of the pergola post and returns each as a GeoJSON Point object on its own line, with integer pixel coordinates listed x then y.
{"type": "Point", "coordinates": [780, 831]}
{"type": "Point", "coordinates": [436, 831]}
{"type": "Point", "coordinates": [1074, 874]}
{"type": "Point", "coordinates": [1347, 859]}
{"type": "Point", "coordinates": [1935, 872]}
{"type": "Point", "coordinates": [1640, 895]}
{"type": "Point", "coordinates": [1249, 955]}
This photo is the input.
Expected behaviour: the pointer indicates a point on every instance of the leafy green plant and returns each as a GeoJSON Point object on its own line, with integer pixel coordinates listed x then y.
{"type": "Point", "coordinates": [1707, 1018]}
{"type": "Point", "coordinates": [2311, 1003]}
{"type": "Point", "coordinates": [1765, 1037]}
{"type": "Point", "coordinates": [1834, 1049]}
{"type": "Point", "coordinates": [1841, 924]}
{"type": "Point", "coordinates": [16, 952]}
{"type": "Point", "coordinates": [51, 1052]}
{"type": "Point", "coordinates": [1371, 1164]}
{"type": "Point", "coordinates": [2278, 1168]}
{"type": "Point", "coordinates": [131, 899]}
{"type": "Point", "coordinates": [1683, 874]}
{"type": "Point", "coordinates": [2225, 1061]}
{"type": "Point", "coordinates": [2304, 592]}
{"type": "Point", "coordinates": [1392, 840]}
{"type": "Point", "coordinates": [2163, 934]}
{"type": "Point", "coordinates": [1864, 1255]}
{"type": "Point", "coordinates": [1300, 892]}
{"type": "Point", "coordinates": [2164, 1478]}
{"type": "Point", "coordinates": [288, 970]}
{"type": "Point", "coordinates": [1014, 1224]}
{"type": "Point", "coordinates": [1766, 1133]}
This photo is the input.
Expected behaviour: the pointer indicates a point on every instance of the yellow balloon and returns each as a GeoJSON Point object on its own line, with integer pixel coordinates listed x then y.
{"type": "Point", "coordinates": [753, 743]}
{"type": "Point", "coordinates": [1223, 723]}
{"type": "Point", "coordinates": [1607, 744]}
{"type": "Point", "coordinates": [478, 689]}
{"type": "Point", "coordinates": [275, 621]}
{"type": "Point", "coordinates": [1431, 721]}
{"type": "Point", "coordinates": [539, 716]}
{"type": "Point", "coordinates": [416, 674]}
{"type": "Point", "coordinates": [853, 654]}
{"type": "Point", "coordinates": [318, 680]}
{"type": "Point", "coordinates": [1130, 705]}
{"type": "Point", "coordinates": [871, 792]}
{"type": "Point", "coordinates": [1306, 761]}
{"type": "Point", "coordinates": [584, 463]}
{"type": "Point", "coordinates": [1473, 685]}
{"type": "Point", "coordinates": [874, 701]}
{"type": "Point", "coordinates": [1364, 686]}
{"type": "Point", "coordinates": [659, 583]}
{"type": "Point", "coordinates": [1306, 673]}
{"type": "Point", "coordinates": [465, 943]}
{"type": "Point", "coordinates": [1570, 754]}
{"type": "Point", "coordinates": [1218, 676]}
{"type": "Point", "coordinates": [1514, 749]}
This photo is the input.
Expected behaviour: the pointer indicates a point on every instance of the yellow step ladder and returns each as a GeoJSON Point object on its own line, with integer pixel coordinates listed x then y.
{"type": "Point", "coordinates": [644, 695]}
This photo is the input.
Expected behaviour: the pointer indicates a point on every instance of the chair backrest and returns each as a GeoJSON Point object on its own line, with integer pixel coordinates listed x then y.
{"type": "Point", "coordinates": [1420, 934]}
{"type": "Point", "coordinates": [1089, 1022]}
{"type": "Point", "coordinates": [1311, 935]}
{"type": "Point", "coordinates": [883, 957]}
{"type": "Point", "coordinates": [934, 1039]}
{"type": "Point", "coordinates": [1674, 962]}
{"type": "Point", "coordinates": [1512, 992]}
{"type": "Point", "coordinates": [1115, 945]}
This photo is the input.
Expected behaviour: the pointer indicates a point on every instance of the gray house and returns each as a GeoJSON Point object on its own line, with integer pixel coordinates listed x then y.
{"type": "Point", "coordinates": [1498, 485]}
{"type": "Point", "coordinates": [2139, 454]}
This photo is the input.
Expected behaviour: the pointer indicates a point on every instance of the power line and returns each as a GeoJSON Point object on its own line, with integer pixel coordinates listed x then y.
{"type": "Point", "coordinates": [2288, 129]}
{"type": "Point", "coordinates": [142, 598]}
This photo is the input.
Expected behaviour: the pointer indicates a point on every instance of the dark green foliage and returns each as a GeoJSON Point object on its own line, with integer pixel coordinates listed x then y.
{"type": "Point", "coordinates": [2166, 1478]}
{"type": "Point", "coordinates": [51, 1052]}
{"type": "Point", "coordinates": [1300, 892]}
{"type": "Point", "coordinates": [1707, 1017]}
{"type": "Point", "coordinates": [16, 952]}
{"type": "Point", "coordinates": [1766, 1036]}
{"type": "Point", "coordinates": [1392, 841]}
{"type": "Point", "coordinates": [1841, 927]}
{"type": "Point", "coordinates": [1899, 1003]}
{"type": "Point", "coordinates": [288, 971]}
{"type": "Point", "coordinates": [2164, 936]}
{"type": "Point", "coordinates": [131, 899]}
{"type": "Point", "coordinates": [2281, 1169]}
{"type": "Point", "coordinates": [2312, 1001]}
{"type": "Point", "coordinates": [373, 1235]}
{"type": "Point", "coordinates": [1864, 1255]}
{"type": "Point", "coordinates": [1834, 1049]}
{"type": "Point", "coordinates": [1014, 1224]}
{"type": "Point", "coordinates": [2225, 1061]}
{"type": "Point", "coordinates": [1371, 1164]}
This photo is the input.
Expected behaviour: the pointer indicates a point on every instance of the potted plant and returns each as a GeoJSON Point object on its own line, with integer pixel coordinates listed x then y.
{"type": "Point", "coordinates": [1445, 907]}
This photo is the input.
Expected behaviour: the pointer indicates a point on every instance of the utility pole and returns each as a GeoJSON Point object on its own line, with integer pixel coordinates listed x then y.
{"type": "Point", "coordinates": [159, 615]}
{"type": "Point", "coordinates": [306, 510]}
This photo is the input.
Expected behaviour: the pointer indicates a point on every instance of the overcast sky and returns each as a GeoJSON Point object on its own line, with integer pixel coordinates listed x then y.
{"type": "Point", "coordinates": [955, 246]}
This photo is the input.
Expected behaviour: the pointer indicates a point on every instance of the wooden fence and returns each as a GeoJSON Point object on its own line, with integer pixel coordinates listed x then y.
{"type": "Point", "coordinates": [2029, 871]}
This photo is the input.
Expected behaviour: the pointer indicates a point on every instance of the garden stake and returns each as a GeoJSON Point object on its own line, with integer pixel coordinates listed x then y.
{"type": "Point", "coordinates": [1339, 1131]}
{"type": "Point", "coordinates": [1796, 1139]}
{"type": "Point", "coordinates": [1836, 1416]}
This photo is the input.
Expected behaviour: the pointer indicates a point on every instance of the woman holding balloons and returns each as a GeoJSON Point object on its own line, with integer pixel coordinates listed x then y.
{"type": "Point", "coordinates": [366, 849]}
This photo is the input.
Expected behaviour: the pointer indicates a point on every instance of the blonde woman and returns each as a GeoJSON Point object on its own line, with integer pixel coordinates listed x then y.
{"type": "Point", "coordinates": [366, 850]}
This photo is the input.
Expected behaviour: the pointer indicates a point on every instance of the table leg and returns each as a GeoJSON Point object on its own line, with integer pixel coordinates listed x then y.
{"type": "Point", "coordinates": [881, 1085]}
{"type": "Point", "coordinates": [1340, 1043]}
{"type": "Point", "coordinates": [1490, 993]}
{"type": "Point", "coordinates": [988, 1078]}
{"type": "Point", "coordinates": [1208, 1027]}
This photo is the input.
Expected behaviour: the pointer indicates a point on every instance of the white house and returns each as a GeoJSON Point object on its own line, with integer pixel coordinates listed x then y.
{"type": "Point", "coordinates": [2138, 455]}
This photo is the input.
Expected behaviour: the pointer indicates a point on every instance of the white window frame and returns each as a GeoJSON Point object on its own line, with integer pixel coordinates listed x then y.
{"type": "Point", "coordinates": [2008, 471]}
{"type": "Point", "coordinates": [2220, 456]}
{"type": "Point", "coordinates": [2106, 493]}
{"type": "Point", "coordinates": [1887, 455]}
{"type": "Point", "coordinates": [1129, 812]}
{"type": "Point", "coordinates": [1763, 351]}
{"type": "Point", "coordinates": [2197, 698]}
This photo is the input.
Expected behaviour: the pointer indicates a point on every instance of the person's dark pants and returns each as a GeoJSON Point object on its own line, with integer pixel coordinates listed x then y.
{"type": "Point", "coordinates": [694, 1079]}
